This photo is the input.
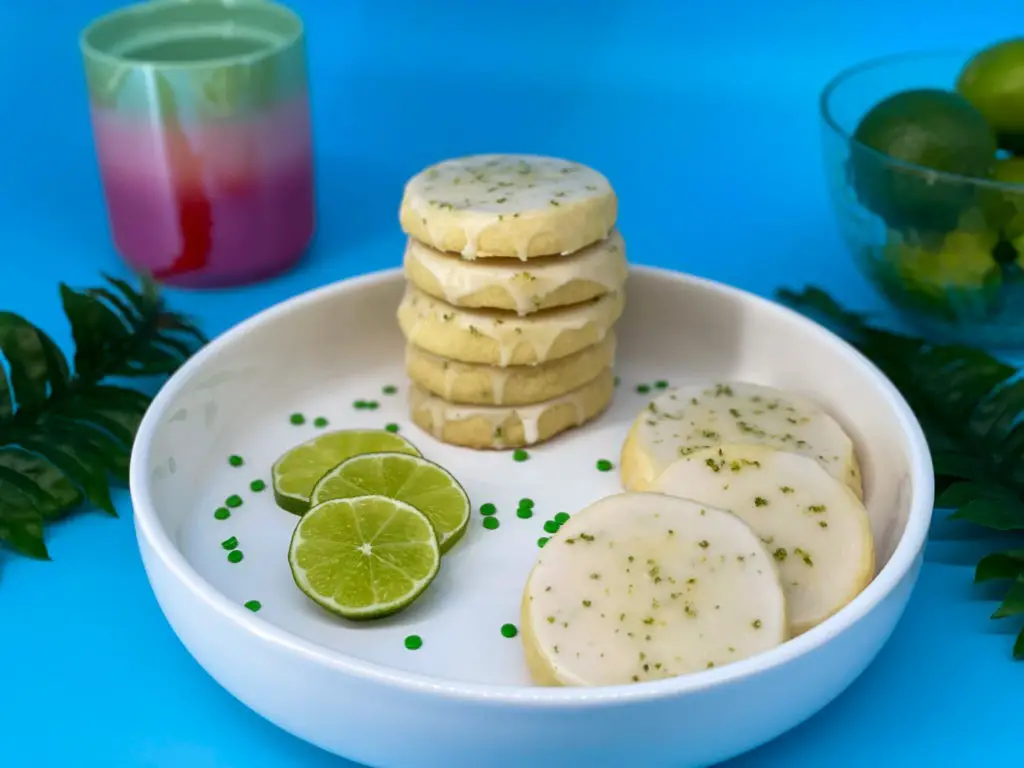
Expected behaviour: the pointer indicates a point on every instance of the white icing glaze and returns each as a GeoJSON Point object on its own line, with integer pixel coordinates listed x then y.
{"type": "Point", "coordinates": [443, 412]}
{"type": "Point", "coordinates": [817, 530]}
{"type": "Point", "coordinates": [641, 586]}
{"type": "Point", "coordinates": [688, 419]}
{"type": "Point", "coordinates": [603, 263]}
{"type": "Point", "coordinates": [485, 189]}
{"type": "Point", "coordinates": [539, 330]}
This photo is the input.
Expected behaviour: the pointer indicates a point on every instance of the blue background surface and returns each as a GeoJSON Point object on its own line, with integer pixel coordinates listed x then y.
{"type": "Point", "coordinates": [704, 117]}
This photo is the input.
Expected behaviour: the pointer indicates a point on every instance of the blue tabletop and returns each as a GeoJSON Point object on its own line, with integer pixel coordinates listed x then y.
{"type": "Point", "coordinates": [704, 117]}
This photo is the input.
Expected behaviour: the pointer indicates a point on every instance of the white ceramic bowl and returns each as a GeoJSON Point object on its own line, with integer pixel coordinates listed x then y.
{"type": "Point", "coordinates": [463, 699]}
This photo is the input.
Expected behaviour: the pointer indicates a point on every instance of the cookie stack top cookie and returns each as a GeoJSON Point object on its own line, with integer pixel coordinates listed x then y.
{"type": "Point", "coordinates": [510, 206]}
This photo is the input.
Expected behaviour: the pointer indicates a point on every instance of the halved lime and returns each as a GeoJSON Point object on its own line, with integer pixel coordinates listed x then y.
{"type": "Point", "coordinates": [296, 472]}
{"type": "Point", "coordinates": [364, 558]}
{"type": "Point", "coordinates": [423, 484]}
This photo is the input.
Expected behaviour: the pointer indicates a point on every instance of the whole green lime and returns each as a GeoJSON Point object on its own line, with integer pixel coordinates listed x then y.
{"type": "Point", "coordinates": [993, 81]}
{"type": "Point", "coordinates": [920, 129]}
{"type": "Point", "coordinates": [1003, 205]}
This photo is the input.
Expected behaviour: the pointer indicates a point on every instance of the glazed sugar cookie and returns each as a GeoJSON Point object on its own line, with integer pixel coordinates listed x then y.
{"type": "Point", "coordinates": [516, 385]}
{"type": "Point", "coordinates": [481, 426]}
{"type": "Point", "coordinates": [681, 421]}
{"type": "Point", "coordinates": [509, 284]}
{"type": "Point", "coordinates": [518, 206]}
{"type": "Point", "coordinates": [815, 527]}
{"type": "Point", "coordinates": [491, 337]}
{"type": "Point", "coordinates": [641, 586]}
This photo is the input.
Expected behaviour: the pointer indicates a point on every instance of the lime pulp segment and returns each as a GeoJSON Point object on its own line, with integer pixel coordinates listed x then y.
{"type": "Point", "coordinates": [420, 483]}
{"type": "Point", "coordinates": [298, 470]}
{"type": "Point", "coordinates": [363, 558]}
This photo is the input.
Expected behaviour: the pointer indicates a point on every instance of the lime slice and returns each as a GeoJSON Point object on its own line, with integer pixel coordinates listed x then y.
{"type": "Point", "coordinates": [420, 483]}
{"type": "Point", "coordinates": [298, 470]}
{"type": "Point", "coordinates": [363, 558]}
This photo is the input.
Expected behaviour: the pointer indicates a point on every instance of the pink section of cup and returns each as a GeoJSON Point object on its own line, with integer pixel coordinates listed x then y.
{"type": "Point", "coordinates": [208, 205]}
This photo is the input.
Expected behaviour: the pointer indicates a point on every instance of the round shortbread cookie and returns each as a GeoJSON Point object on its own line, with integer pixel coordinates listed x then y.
{"type": "Point", "coordinates": [690, 418]}
{"type": "Point", "coordinates": [642, 586]}
{"type": "Point", "coordinates": [544, 283]}
{"type": "Point", "coordinates": [815, 527]}
{"type": "Point", "coordinates": [492, 337]}
{"type": "Point", "coordinates": [517, 206]}
{"type": "Point", "coordinates": [516, 385]}
{"type": "Point", "coordinates": [482, 426]}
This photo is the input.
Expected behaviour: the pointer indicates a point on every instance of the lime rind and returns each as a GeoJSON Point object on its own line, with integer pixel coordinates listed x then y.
{"type": "Point", "coordinates": [297, 471]}
{"type": "Point", "coordinates": [421, 483]}
{"type": "Point", "coordinates": [364, 558]}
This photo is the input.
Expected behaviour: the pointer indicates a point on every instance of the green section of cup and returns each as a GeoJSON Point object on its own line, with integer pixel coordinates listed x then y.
{"type": "Point", "coordinates": [210, 59]}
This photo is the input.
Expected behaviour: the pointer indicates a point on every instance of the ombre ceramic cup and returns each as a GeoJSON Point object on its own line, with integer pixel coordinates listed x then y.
{"type": "Point", "coordinates": [200, 114]}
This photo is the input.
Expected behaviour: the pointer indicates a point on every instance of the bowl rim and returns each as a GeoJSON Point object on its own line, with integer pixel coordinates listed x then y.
{"type": "Point", "coordinates": [151, 532]}
{"type": "Point", "coordinates": [880, 62]}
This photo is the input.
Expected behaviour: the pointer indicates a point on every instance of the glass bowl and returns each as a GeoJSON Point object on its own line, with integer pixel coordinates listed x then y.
{"type": "Point", "coordinates": [948, 254]}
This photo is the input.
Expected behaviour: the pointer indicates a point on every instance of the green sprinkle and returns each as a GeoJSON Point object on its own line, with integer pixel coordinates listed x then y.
{"type": "Point", "coordinates": [297, 418]}
{"type": "Point", "coordinates": [372, 405]}
{"type": "Point", "coordinates": [551, 526]}
{"type": "Point", "coordinates": [414, 642]}
{"type": "Point", "coordinates": [230, 544]}
{"type": "Point", "coordinates": [661, 384]}
{"type": "Point", "coordinates": [391, 427]}
{"type": "Point", "coordinates": [222, 513]}
{"type": "Point", "coordinates": [488, 509]}
{"type": "Point", "coordinates": [253, 605]}
{"type": "Point", "coordinates": [542, 541]}
{"type": "Point", "coordinates": [390, 389]}
{"type": "Point", "coordinates": [509, 630]}
{"type": "Point", "coordinates": [562, 518]}
{"type": "Point", "coordinates": [617, 381]}
{"type": "Point", "coordinates": [525, 503]}
{"type": "Point", "coordinates": [257, 485]}
{"type": "Point", "coordinates": [235, 556]}
{"type": "Point", "coordinates": [643, 389]}
{"type": "Point", "coordinates": [359, 404]}
{"type": "Point", "coordinates": [320, 422]}
{"type": "Point", "coordinates": [236, 461]}
{"type": "Point", "coordinates": [603, 465]}
{"type": "Point", "coordinates": [520, 455]}
{"type": "Point", "coordinates": [234, 500]}
{"type": "Point", "coordinates": [524, 512]}
{"type": "Point", "coordinates": [490, 523]}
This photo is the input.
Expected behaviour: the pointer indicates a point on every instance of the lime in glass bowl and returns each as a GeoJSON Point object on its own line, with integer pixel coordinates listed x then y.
{"type": "Point", "coordinates": [944, 247]}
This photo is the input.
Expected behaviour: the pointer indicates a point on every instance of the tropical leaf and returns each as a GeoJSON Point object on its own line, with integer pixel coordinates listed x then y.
{"type": "Point", "coordinates": [66, 435]}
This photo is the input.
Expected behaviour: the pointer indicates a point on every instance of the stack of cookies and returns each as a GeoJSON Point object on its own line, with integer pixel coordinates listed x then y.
{"type": "Point", "coordinates": [515, 276]}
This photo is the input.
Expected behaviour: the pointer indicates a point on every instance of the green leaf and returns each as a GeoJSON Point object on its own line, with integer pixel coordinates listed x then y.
{"type": "Point", "coordinates": [49, 491]}
{"type": "Point", "coordinates": [127, 311]}
{"type": "Point", "coordinates": [962, 493]}
{"type": "Point", "coordinates": [94, 327]}
{"type": "Point", "coordinates": [83, 468]}
{"type": "Point", "coordinates": [6, 403]}
{"type": "Point", "coordinates": [1000, 565]}
{"type": "Point", "coordinates": [120, 419]}
{"type": "Point", "coordinates": [178, 324]}
{"type": "Point", "coordinates": [1013, 603]}
{"type": "Point", "coordinates": [87, 439]}
{"type": "Point", "coordinates": [998, 514]}
{"type": "Point", "coordinates": [21, 527]}
{"type": "Point", "coordinates": [26, 355]}
{"type": "Point", "coordinates": [133, 297]}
